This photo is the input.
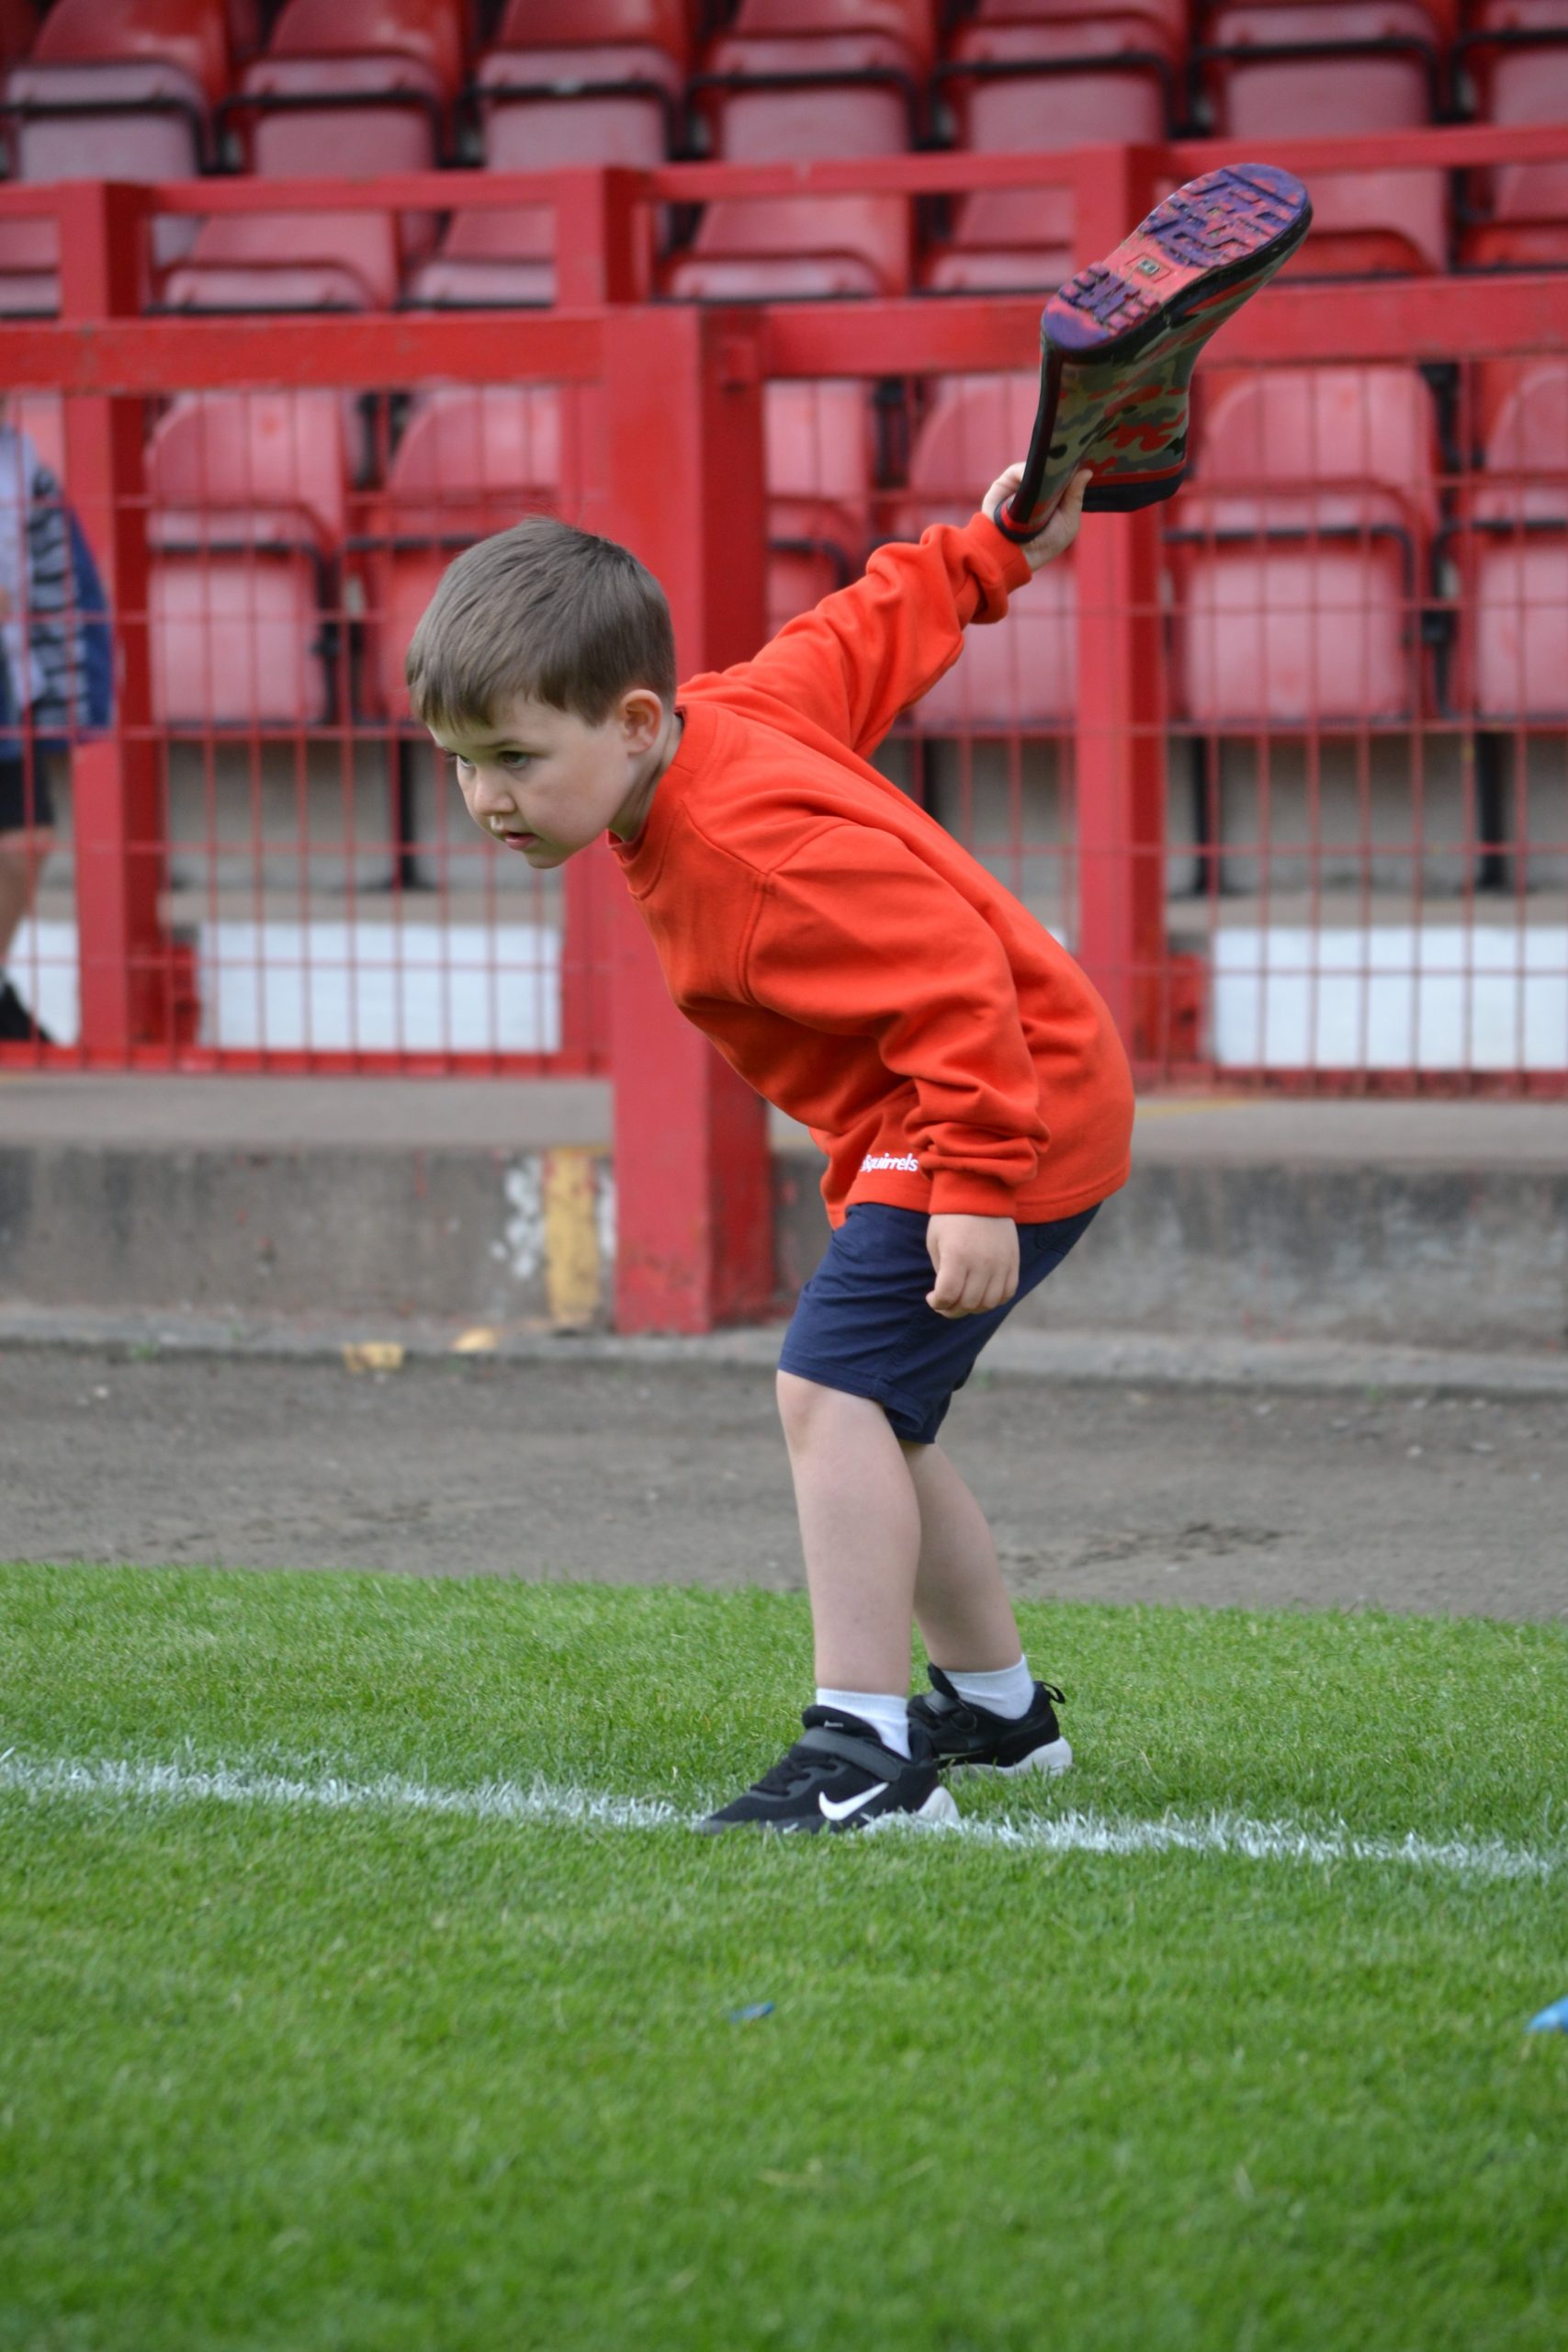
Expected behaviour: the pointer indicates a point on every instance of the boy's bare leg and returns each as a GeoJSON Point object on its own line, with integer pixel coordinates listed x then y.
{"type": "Point", "coordinates": [859, 1528]}
{"type": "Point", "coordinates": [961, 1602]}
{"type": "Point", "coordinates": [890, 1533]}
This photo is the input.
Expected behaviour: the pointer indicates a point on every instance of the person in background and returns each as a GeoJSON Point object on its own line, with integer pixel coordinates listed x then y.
{"type": "Point", "coordinates": [48, 687]}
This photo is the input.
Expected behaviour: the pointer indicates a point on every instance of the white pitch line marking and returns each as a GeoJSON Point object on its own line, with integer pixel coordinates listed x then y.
{"type": "Point", "coordinates": [542, 1801]}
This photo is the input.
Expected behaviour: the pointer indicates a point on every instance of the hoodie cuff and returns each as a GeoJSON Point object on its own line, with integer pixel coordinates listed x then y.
{"type": "Point", "coordinates": [956, 1193]}
{"type": "Point", "coordinates": [1000, 566]}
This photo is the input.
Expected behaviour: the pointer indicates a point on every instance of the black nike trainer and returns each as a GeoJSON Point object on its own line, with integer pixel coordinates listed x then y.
{"type": "Point", "coordinates": [967, 1739]}
{"type": "Point", "coordinates": [839, 1776]}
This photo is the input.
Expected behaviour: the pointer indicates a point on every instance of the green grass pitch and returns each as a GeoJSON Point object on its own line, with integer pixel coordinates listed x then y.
{"type": "Point", "coordinates": [285, 2074]}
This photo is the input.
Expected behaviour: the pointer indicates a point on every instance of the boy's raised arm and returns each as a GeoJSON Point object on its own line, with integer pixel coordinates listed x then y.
{"type": "Point", "coordinates": [862, 656]}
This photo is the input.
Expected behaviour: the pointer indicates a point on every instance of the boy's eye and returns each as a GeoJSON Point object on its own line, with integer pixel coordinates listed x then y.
{"type": "Point", "coordinates": [513, 760]}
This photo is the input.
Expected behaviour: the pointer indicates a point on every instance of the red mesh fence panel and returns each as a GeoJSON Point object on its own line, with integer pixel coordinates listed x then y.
{"type": "Point", "coordinates": [1284, 760]}
{"type": "Point", "coordinates": [322, 899]}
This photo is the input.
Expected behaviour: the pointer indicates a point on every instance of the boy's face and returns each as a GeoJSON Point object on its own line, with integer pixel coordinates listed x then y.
{"type": "Point", "coordinates": [545, 782]}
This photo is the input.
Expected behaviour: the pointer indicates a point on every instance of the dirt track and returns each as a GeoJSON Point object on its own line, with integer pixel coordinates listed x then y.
{"type": "Point", "coordinates": [627, 1476]}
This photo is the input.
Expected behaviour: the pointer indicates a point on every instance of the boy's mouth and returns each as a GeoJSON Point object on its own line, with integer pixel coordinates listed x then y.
{"type": "Point", "coordinates": [517, 841]}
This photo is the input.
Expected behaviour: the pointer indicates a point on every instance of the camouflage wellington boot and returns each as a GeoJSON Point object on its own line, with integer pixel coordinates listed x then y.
{"type": "Point", "coordinates": [1120, 341]}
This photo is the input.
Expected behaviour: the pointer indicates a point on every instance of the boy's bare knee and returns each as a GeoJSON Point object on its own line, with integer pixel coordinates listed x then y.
{"type": "Point", "coordinates": [22, 854]}
{"type": "Point", "coordinates": [799, 1402]}
{"type": "Point", "coordinates": [804, 1405]}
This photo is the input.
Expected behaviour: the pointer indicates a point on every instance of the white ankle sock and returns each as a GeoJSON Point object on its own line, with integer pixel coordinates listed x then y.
{"type": "Point", "coordinates": [1008, 1692]}
{"type": "Point", "coordinates": [885, 1711]}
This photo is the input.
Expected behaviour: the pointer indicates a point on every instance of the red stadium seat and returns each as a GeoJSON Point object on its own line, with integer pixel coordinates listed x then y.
{"type": "Point", "coordinates": [30, 266]}
{"type": "Point", "coordinates": [910, 23]}
{"type": "Point", "coordinates": [247, 452]}
{"type": "Point", "coordinates": [365, 82]}
{"type": "Point", "coordinates": [789, 276]}
{"type": "Point", "coordinates": [1517, 55]}
{"type": "Point", "coordinates": [608, 105]}
{"type": "Point", "coordinates": [594, 23]}
{"type": "Point", "coordinates": [818, 481]}
{"type": "Point", "coordinates": [798, 576]}
{"type": "Point", "coordinates": [1516, 423]}
{"type": "Point", "coordinates": [1168, 16]}
{"type": "Point", "coordinates": [191, 36]}
{"type": "Point", "coordinates": [1511, 548]}
{"type": "Point", "coordinates": [541, 108]}
{"type": "Point", "coordinates": [796, 246]}
{"type": "Point", "coordinates": [429, 32]}
{"type": "Point", "coordinates": [803, 244]}
{"type": "Point", "coordinates": [159, 127]}
{"type": "Point", "coordinates": [288, 261]}
{"type": "Point", "coordinates": [838, 93]}
{"type": "Point", "coordinates": [1269, 72]}
{"type": "Point", "coordinates": [248, 497]}
{"type": "Point", "coordinates": [501, 259]}
{"type": "Point", "coordinates": [470, 461]}
{"type": "Point", "coordinates": [999, 269]}
{"type": "Point", "coordinates": [157, 66]}
{"type": "Point", "coordinates": [999, 108]}
{"type": "Point", "coordinates": [369, 82]}
{"type": "Point", "coordinates": [617, 92]}
{"type": "Point", "coordinates": [1021, 672]}
{"type": "Point", "coordinates": [818, 453]}
{"type": "Point", "coordinates": [1300, 554]}
{"type": "Point", "coordinates": [1437, 22]}
{"type": "Point", "coordinates": [369, 114]}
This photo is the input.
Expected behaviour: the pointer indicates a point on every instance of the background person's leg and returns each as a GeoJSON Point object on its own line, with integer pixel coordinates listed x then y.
{"type": "Point", "coordinates": [860, 1530]}
{"type": "Point", "coordinates": [21, 859]}
{"type": "Point", "coordinates": [961, 1603]}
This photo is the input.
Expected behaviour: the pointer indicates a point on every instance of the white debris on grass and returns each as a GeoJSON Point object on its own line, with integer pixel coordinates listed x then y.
{"type": "Point", "coordinates": [523, 1805]}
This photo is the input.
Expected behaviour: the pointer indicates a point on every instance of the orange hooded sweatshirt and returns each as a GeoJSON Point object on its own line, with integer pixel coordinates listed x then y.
{"type": "Point", "coordinates": [848, 957]}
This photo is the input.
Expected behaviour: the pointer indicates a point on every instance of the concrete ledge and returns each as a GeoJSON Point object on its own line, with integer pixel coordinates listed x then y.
{"type": "Point", "coordinates": [1386, 1224]}
{"type": "Point", "coordinates": [1477, 1259]}
{"type": "Point", "coordinates": [368, 1232]}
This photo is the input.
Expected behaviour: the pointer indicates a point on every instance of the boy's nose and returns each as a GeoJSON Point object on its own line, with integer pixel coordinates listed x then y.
{"type": "Point", "coordinates": [493, 795]}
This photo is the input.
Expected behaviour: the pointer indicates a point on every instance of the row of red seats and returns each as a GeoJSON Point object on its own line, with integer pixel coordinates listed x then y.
{"type": "Point", "coordinates": [1304, 553]}
{"type": "Point", "coordinates": [376, 86]}
{"type": "Point", "coordinates": [1314, 542]}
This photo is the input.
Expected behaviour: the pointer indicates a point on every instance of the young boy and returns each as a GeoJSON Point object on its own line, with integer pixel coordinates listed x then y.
{"type": "Point", "coordinates": [863, 972]}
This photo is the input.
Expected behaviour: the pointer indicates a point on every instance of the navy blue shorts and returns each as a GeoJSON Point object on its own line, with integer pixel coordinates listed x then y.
{"type": "Point", "coordinates": [863, 1325]}
{"type": "Point", "coordinates": [23, 806]}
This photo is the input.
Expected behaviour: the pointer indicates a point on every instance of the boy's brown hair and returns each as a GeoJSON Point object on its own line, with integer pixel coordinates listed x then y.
{"type": "Point", "coordinates": [543, 611]}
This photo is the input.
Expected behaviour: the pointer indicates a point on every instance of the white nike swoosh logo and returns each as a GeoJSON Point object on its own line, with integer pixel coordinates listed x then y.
{"type": "Point", "coordinates": [831, 1812]}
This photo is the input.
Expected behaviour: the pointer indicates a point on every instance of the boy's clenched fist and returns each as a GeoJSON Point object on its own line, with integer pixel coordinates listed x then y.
{"type": "Point", "coordinates": [1058, 534]}
{"type": "Point", "coordinates": [977, 1264]}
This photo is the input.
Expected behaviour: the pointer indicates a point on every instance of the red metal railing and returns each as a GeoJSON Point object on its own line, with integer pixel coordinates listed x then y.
{"type": "Point", "coordinates": [666, 453]}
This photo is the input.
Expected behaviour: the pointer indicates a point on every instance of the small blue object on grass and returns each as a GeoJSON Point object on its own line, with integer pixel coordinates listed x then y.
{"type": "Point", "coordinates": [755, 2009]}
{"type": "Point", "coordinates": [1552, 2020]}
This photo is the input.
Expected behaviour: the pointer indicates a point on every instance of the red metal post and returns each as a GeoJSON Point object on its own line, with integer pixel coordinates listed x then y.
{"type": "Point", "coordinates": [1120, 783]}
{"type": "Point", "coordinates": [124, 959]}
{"type": "Point", "coordinates": [603, 239]}
{"type": "Point", "coordinates": [684, 489]}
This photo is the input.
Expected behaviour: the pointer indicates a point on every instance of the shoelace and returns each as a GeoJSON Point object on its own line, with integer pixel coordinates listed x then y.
{"type": "Point", "coordinates": [792, 1771]}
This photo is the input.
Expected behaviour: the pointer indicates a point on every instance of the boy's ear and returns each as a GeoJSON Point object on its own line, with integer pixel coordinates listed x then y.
{"type": "Point", "coordinates": [641, 713]}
